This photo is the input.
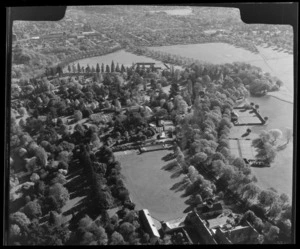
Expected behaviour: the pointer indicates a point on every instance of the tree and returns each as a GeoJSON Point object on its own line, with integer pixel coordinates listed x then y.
{"type": "Point", "coordinates": [285, 226]}
{"type": "Point", "coordinates": [32, 209]}
{"type": "Point", "coordinates": [117, 239]}
{"type": "Point", "coordinates": [276, 134]}
{"type": "Point", "coordinates": [239, 163]}
{"type": "Point", "coordinates": [20, 219]}
{"type": "Point", "coordinates": [102, 68]}
{"type": "Point", "coordinates": [22, 111]}
{"type": "Point", "coordinates": [288, 134]}
{"type": "Point", "coordinates": [14, 231]}
{"type": "Point", "coordinates": [118, 68]}
{"type": "Point", "coordinates": [258, 224]}
{"type": "Point", "coordinates": [112, 67]}
{"type": "Point", "coordinates": [267, 198]}
{"type": "Point", "coordinates": [78, 68]}
{"type": "Point", "coordinates": [272, 234]}
{"type": "Point", "coordinates": [98, 68]}
{"type": "Point", "coordinates": [60, 194]}
{"type": "Point", "coordinates": [34, 177]}
{"type": "Point", "coordinates": [77, 115]}
{"type": "Point", "coordinates": [275, 210]}
{"type": "Point", "coordinates": [41, 156]}
{"type": "Point", "coordinates": [55, 219]}
{"type": "Point", "coordinates": [284, 199]}
{"type": "Point", "coordinates": [279, 83]}
{"type": "Point", "coordinates": [250, 191]}
{"type": "Point", "coordinates": [107, 69]}
{"type": "Point", "coordinates": [123, 68]}
{"type": "Point", "coordinates": [126, 229]}
{"type": "Point", "coordinates": [145, 238]}
{"type": "Point", "coordinates": [88, 69]}
{"type": "Point", "coordinates": [174, 90]}
{"type": "Point", "coordinates": [59, 178]}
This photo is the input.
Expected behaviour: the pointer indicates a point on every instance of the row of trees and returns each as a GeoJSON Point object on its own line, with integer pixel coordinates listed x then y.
{"type": "Point", "coordinates": [103, 69]}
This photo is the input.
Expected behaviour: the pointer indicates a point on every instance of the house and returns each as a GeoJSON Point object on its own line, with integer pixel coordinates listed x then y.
{"type": "Point", "coordinates": [234, 116]}
{"type": "Point", "coordinates": [148, 225]}
{"type": "Point", "coordinates": [200, 227]}
{"type": "Point", "coordinates": [217, 222]}
{"type": "Point", "coordinates": [53, 35]}
{"type": "Point", "coordinates": [209, 210]}
{"type": "Point", "coordinates": [179, 235]}
{"type": "Point", "coordinates": [236, 235]}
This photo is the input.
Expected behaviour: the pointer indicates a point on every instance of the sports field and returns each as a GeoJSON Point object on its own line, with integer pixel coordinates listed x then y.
{"type": "Point", "coordinates": [150, 185]}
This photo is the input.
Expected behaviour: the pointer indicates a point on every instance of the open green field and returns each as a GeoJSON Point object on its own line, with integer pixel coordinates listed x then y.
{"type": "Point", "coordinates": [149, 184]}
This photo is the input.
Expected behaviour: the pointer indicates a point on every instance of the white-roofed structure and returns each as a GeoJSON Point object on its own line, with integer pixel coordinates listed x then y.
{"type": "Point", "coordinates": [149, 225]}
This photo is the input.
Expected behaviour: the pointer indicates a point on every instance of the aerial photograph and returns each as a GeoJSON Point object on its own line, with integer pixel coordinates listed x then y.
{"type": "Point", "coordinates": [150, 125]}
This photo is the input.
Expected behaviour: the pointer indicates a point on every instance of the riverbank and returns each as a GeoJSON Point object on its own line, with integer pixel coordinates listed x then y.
{"type": "Point", "coordinates": [283, 96]}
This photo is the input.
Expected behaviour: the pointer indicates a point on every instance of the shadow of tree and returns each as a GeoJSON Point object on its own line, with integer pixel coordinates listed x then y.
{"type": "Point", "coordinates": [170, 166]}
{"type": "Point", "coordinates": [189, 201]}
{"type": "Point", "coordinates": [168, 157]}
{"type": "Point", "coordinates": [188, 209]}
{"type": "Point", "coordinates": [81, 205]}
{"type": "Point", "coordinates": [176, 174]}
{"type": "Point", "coordinates": [72, 121]}
{"type": "Point", "coordinates": [44, 218]}
{"type": "Point", "coordinates": [176, 185]}
{"type": "Point", "coordinates": [181, 188]}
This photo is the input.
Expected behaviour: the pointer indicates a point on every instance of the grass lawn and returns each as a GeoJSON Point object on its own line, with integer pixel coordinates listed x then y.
{"type": "Point", "coordinates": [150, 185]}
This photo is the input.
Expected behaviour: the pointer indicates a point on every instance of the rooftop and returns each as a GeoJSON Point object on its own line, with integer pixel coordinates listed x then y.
{"type": "Point", "coordinates": [148, 222]}
{"type": "Point", "coordinates": [217, 222]}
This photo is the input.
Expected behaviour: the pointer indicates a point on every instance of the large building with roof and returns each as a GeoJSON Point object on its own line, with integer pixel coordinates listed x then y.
{"type": "Point", "coordinates": [236, 235]}
{"type": "Point", "coordinates": [148, 225]}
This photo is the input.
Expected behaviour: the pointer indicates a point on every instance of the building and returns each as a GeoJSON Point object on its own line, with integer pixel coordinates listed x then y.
{"type": "Point", "coordinates": [179, 236]}
{"type": "Point", "coordinates": [14, 37]}
{"type": "Point", "coordinates": [53, 35]}
{"type": "Point", "coordinates": [217, 222]}
{"type": "Point", "coordinates": [148, 225]}
{"type": "Point", "coordinates": [209, 210]}
{"type": "Point", "coordinates": [200, 227]}
{"type": "Point", "coordinates": [236, 235]}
